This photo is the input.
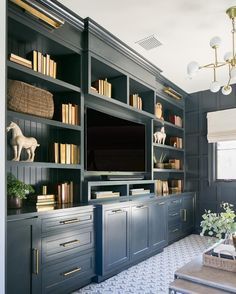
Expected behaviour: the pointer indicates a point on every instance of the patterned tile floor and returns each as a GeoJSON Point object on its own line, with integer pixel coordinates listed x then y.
{"type": "Point", "coordinates": [153, 275]}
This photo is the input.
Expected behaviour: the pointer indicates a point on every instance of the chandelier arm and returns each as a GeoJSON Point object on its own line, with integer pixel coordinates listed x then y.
{"type": "Point", "coordinates": [233, 37]}
{"type": "Point", "coordinates": [229, 76]}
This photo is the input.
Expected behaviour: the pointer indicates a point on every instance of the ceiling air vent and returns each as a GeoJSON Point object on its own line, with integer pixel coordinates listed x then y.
{"type": "Point", "coordinates": [149, 43]}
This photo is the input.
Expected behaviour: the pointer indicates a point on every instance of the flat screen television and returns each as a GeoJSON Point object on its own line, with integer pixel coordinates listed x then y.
{"type": "Point", "coordinates": [114, 144]}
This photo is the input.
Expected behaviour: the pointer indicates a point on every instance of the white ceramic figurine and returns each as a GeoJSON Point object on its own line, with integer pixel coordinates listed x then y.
{"type": "Point", "coordinates": [19, 141]}
{"type": "Point", "coordinates": [160, 136]}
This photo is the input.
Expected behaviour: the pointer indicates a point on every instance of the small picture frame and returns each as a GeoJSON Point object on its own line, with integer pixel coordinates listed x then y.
{"type": "Point", "coordinates": [165, 187]}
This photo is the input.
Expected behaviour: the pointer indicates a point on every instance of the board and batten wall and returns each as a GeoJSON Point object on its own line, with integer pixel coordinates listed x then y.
{"type": "Point", "coordinates": [2, 142]}
{"type": "Point", "coordinates": [209, 196]}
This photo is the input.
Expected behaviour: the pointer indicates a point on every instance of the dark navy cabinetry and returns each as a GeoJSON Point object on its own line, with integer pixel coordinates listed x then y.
{"type": "Point", "coordinates": [23, 256]}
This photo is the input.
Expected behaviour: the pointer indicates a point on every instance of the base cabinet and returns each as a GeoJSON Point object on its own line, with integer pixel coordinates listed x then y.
{"type": "Point", "coordinates": [23, 257]}
{"type": "Point", "coordinates": [180, 216]}
{"type": "Point", "coordinates": [139, 230]}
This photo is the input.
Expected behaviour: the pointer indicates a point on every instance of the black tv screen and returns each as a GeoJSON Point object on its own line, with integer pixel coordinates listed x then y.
{"type": "Point", "coordinates": [114, 144]}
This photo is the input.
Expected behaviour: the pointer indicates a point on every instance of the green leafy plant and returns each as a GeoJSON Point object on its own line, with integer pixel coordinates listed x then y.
{"type": "Point", "coordinates": [220, 224]}
{"type": "Point", "coordinates": [16, 188]}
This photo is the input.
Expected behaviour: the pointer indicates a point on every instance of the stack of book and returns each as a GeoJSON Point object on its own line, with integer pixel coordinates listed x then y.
{"type": "Point", "coordinates": [136, 101]}
{"type": "Point", "coordinates": [176, 120]}
{"type": "Point", "coordinates": [176, 142]}
{"type": "Point", "coordinates": [139, 191]}
{"type": "Point", "coordinates": [104, 194]}
{"type": "Point", "coordinates": [175, 163]}
{"type": "Point", "coordinates": [43, 63]}
{"type": "Point", "coordinates": [45, 202]}
{"type": "Point", "coordinates": [66, 153]}
{"type": "Point", "coordinates": [65, 192]}
{"type": "Point", "coordinates": [176, 186]}
{"type": "Point", "coordinates": [70, 114]}
{"type": "Point", "coordinates": [102, 87]}
{"type": "Point", "coordinates": [20, 60]}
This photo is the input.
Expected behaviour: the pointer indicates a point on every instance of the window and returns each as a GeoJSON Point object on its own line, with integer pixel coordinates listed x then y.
{"type": "Point", "coordinates": [226, 160]}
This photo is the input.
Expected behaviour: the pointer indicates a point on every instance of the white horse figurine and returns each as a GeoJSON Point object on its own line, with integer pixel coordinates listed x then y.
{"type": "Point", "coordinates": [160, 136]}
{"type": "Point", "coordinates": [19, 141]}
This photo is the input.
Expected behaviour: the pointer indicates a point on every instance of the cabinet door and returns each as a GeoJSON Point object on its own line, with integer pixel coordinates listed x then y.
{"type": "Point", "coordinates": [116, 238]}
{"type": "Point", "coordinates": [23, 256]}
{"type": "Point", "coordinates": [139, 231]}
{"type": "Point", "coordinates": [158, 224]}
{"type": "Point", "coordinates": [187, 214]}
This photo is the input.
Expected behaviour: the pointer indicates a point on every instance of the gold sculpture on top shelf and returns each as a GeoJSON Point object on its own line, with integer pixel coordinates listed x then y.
{"type": "Point", "coordinates": [158, 111]}
{"type": "Point", "coordinates": [19, 142]}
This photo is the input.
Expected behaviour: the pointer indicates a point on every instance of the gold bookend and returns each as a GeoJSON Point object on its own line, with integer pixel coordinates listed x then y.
{"type": "Point", "coordinates": [40, 12]}
{"type": "Point", "coordinates": [172, 93]}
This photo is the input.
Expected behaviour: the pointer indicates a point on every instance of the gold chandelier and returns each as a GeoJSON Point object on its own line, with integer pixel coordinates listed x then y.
{"type": "Point", "coordinates": [229, 60]}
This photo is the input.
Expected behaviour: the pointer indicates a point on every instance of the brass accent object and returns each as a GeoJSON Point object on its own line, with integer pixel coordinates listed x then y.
{"type": "Point", "coordinates": [36, 258]}
{"type": "Point", "coordinates": [70, 243]}
{"type": "Point", "coordinates": [72, 271]}
{"type": "Point", "coordinates": [38, 11]}
{"type": "Point", "coordinates": [171, 92]}
{"type": "Point", "coordinates": [70, 221]}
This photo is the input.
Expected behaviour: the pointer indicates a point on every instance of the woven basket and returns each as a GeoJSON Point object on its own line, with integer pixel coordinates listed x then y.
{"type": "Point", "coordinates": [26, 98]}
{"type": "Point", "coordinates": [219, 262]}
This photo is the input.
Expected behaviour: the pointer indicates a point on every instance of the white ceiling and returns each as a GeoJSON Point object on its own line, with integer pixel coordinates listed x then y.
{"type": "Point", "coordinates": [184, 27]}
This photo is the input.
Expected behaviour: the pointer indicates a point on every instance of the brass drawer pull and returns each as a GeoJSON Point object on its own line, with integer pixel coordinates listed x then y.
{"type": "Point", "coordinates": [36, 255]}
{"type": "Point", "coordinates": [161, 203]}
{"type": "Point", "coordinates": [70, 221]}
{"type": "Point", "coordinates": [175, 230]}
{"type": "Point", "coordinates": [174, 214]}
{"type": "Point", "coordinates": [75, 270]}
{"type": "Point", "coordinates": [70, 243]}
{"type": "Point", "coordinates": [185, 215]}
{"type": "Point", "coordinates": [141, 206]}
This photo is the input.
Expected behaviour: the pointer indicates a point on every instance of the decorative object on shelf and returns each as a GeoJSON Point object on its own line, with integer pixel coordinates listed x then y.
{"type": "Point", "coordinates": [139, 191]}
{"type": "Point", "coordinates": [229, 60]}
{"type": "Point", "coordinates": [66, 153]}
{"type": "Point", "coordinates": [158, 111]}
{"type": "Point", "coordinates": [158, 187]}
{"type": "Point", "coordinates": [176, 186]}
{"type": "Point", "coordinates": [104, 194]}
{"type": "Point", "coordinates": [45, 199]}
{"type": "Point", "coordinates": [136, 101]}
{"type": "Point", "coordinates": [176, 142]}
{"type": "Point", "coordinates": [70, 114]}
{"type": "Point", "coordinates": [165, 188]}
{"type": "Point", "coordinates": [16, 191]}
{"type": "Point", "coordinates": [20, 60]}
{"type": "Point", "coordinates": [160, 161]}
{"type": "Point", "coordinates": [25, 98]}
{"type": "Point", "coordinates": [234, 239]}
{"type": "Point", "coordinates": [19, 142]}
{"type": "Point", "coordinates": [160, 136]}
{"type": "Point", "coordinates": [171, 92]}
{"type": "Point", "coordinates": [65, 192]}
{"type": "Point", "coordinates": [39, 11]}
{"type": "Point", "coordinates": [222, 224]}
{"type": "Point", "coordinates": [174, 163]}
{"type": "Point", "coordinates": [176, 120]}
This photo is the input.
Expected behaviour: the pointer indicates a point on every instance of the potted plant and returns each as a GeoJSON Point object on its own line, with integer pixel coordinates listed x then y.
{"type": "Point", "coordinates": [16, 191]}
{"type": "Point", "coordinates": [220, 225]}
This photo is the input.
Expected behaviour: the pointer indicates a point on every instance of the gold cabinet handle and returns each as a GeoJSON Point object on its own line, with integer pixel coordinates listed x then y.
{"type": "Point", "coordinates": [117, 210]}
{"type": "Point", "coordinates": [175, 230]}
{"type": "Point", "coordinates": [70, 243]}
{"type": "Point", "coordinates": [70, 221]}
{"type": "Point", "coordinates": [36, 259]}
{"type": "Point", "coordinates": [185, 215]}
{"type": "Point", "coordinates": [174, 214]}
{"type": "Point", "coordinates": [141, 206]}
{"type": "Point", "coordinates": [75, 270]}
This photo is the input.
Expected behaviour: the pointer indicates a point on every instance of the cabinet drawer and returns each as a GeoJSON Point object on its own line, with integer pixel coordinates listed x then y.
{"type": "Point", "coordinates": [174, 205]}
{"type": "Point", "coordinates": [174, 217]}
{"type": "Point", "coordinates": [174, 232]}
{"type": "Point", "coordinates": [62, 222]}
{"type": "Point", "coordinates": [68, 275]}
{"type": "Point", "coordinates": [61, 245]}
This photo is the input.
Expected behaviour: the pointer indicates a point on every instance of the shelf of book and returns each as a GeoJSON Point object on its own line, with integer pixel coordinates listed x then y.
{"type": "Point", "coordinates": [160, 122]}
{"type": "Point", "coordinates": [43, 165]}
{"type": "Point", "coordinates": [53, 123]}
{"type": "Point", "coordinates": [22, 73]}
{"type": "Point", "coordinates": [168, 147]}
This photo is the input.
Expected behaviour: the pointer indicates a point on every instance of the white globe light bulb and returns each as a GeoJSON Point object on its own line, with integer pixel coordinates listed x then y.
{"type": "Point", "coordinates": [215, 87]}
{"type": "Point", "coordinates": [233, 73]}
{"type": "Point", "coordinates": [215, 42]}
{"type": "Point", "coordinates": [228, 56]}
{"type": "Point", "coordinates": [192, 68]}
{"type": "Point", "coordinates": [226, 90]}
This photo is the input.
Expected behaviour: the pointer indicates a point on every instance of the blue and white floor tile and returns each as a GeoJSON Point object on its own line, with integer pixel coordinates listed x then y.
{"type": "Point", "coordinates": [153, 275]}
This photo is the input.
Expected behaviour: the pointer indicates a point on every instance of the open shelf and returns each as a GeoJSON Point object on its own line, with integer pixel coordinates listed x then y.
{"type": "Point", "coordinates": [167, 147]}
{"type": "Point", "coordinates": [27, 75]}
{"type": "Point", "coordinates": [163, 98]}
{"type": "Point", "coordinates": [165, 170]}
{"type": "Point", "coordinates": [43, 165]}
{"type": "Point", "coordinates": [54, 123]}
{"type": "Point", "coordinates": [160, 122]}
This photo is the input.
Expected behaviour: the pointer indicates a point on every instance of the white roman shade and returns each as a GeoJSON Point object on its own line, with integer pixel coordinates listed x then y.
{"type": "Point", "coordinates": [221, 125]}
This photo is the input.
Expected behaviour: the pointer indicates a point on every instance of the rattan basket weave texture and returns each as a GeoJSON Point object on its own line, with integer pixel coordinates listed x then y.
{"type": "Point", "coordinates": [25, 98]}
